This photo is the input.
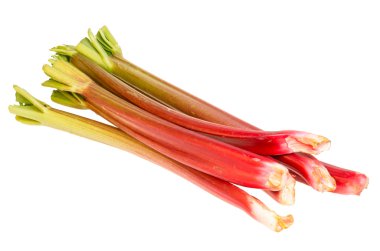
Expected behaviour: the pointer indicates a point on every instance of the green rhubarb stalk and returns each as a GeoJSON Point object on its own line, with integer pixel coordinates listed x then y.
{"type": "Point", "coordinates": [34, 112]}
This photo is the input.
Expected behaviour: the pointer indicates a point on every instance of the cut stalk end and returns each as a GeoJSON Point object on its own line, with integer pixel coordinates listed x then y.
{"type": "Point", "coordinates": [325, 183]}
{"type": "Point", "coordinates": [284, 222]}
{"type": "Point", "coordinates": [308, 143]}
{"type": "Point", "coordinates": [287, 195]}
{"type": "Point", "coordinates": [269, 218]}
{"type": "Point", "coordinates": [277, 178]}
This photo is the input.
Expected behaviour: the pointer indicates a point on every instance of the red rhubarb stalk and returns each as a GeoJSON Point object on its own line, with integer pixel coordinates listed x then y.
{"type": "Point", "coordinates": [315, 176]}
{"type": "Point", "coordinates": [285, 196]}
{"type": "Point", "coordinates": [202, 153]}
{"type": "Point", "coordinates": [347, 181]}
{"type": "Point", "coordinates": [32, 111]}
{"type": "Point", "coordinates": [257, 141]}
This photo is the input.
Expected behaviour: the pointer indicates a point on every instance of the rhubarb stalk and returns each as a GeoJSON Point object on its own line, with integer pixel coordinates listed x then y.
{"type": "Point", "coordinates": [200, 152]}
{"type": "Point", "coordinates": [33, 111]}
{"type": "Point", "coordinates": [317, 176]}
{"type": "Point", "coordinates": [347, 181]}
{"type": "Point", "coordinates": [285, 196]}
{"type": "Point", "coordinates": [257, 141]}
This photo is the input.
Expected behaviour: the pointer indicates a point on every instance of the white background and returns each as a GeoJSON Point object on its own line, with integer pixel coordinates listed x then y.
{"type": "Point", "coordinates": [304, 65]}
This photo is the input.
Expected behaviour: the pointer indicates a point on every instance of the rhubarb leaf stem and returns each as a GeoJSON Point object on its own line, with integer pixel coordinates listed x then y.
{"type": "Point", "coordinates": [108, 42]}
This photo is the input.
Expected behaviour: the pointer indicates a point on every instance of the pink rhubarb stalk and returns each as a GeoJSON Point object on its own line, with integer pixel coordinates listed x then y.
{"type": "Point", "coordinates": [347, 181]}
{"type": "Point", "coordinates": [200, 152]}
{"type": "Point", "coordinates": [316, 175]}
{"type": "Point", "coordinates": [33, 111]}
{"type": "Point", "coordinates": [285, 196]}
{"type": "Point", "coordinates": [257, 141]}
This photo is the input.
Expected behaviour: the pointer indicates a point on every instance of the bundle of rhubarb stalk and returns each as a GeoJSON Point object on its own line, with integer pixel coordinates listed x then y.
{"type": "Point", "coordinates": [180, 132]}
